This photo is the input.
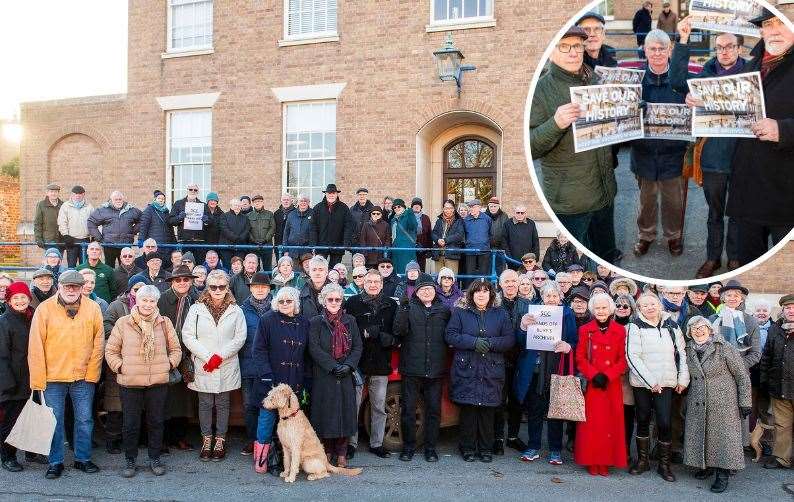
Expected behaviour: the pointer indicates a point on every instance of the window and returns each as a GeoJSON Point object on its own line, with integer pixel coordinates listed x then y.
{"type": "Point", "coordinates": [189, 152]}
{"type": "Point", "coordinates": [470, 169]}
{"type": "Point", "coordinates": [310, 19]}
{"type": "Point", "coordinates": [606, 8]}
{"type": "Point", "coordinates": [457, 11]}
{"type": "Point", "coordinates": [189, 25]}
{"type": "Point", "coordinates": [310, 147]}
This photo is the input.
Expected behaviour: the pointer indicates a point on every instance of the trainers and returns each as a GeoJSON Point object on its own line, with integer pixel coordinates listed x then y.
{"type": "Point", "coordinates": [157, 467]}
{"type": "Point", "coordinates": [530, 455]}
{"type": "Point", "coordinates": [248, 449]}
{"type": "Point", "coordinates": [129, 468]}
{"type": "Point", "coordinates": [555, 458]}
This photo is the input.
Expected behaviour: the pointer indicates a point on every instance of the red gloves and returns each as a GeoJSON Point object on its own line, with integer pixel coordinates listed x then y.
{"type": "Point", "coordinates": [213, 364]}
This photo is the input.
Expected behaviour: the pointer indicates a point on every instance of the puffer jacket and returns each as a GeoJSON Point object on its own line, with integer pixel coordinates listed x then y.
{"type": "Point", "coordinates": [204, 338]}
{"type": "Point", "coordinates": [420, 331]}
{"type": "Point", "coordinates": [118, 225]}
{"type": "Point", "coordinates": [297, 229]}
{"type": "Point", "coordinates": [652, 357]}
{"type": "Point", "coordinates": [155, 224]}
{"type": "Point", "coordinates": [777, 362]}
{"type": "Point", "coordinates": [123, 353]}
{"type": "Point", "coordinates": [73, 221]}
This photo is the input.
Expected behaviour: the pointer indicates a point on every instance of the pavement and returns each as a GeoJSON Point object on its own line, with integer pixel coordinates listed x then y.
{"type": "Point", "coordinates": [506, 479]}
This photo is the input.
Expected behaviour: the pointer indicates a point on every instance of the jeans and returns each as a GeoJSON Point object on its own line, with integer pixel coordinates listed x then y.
{"type": "Point", "coordinates": [754, 239]}
{"type": "Point", "coordinates": [133, 401]}
{"type": "Point", "coordinates": [430, 390]}
{"type": "Point", "coordinates": [661, 405]}
{"type": "Point", "coordinates": [266, 422]}
{"type": "Point", "coordinates": [10, 412]}
{"type": "Point", "coordinates": [220, 402]}
{"type": "Point", "coordinates": [715, 190]}
{"type": "Point", "coordinates": [537, 406]}
{"type": "Point", "coordinates": [251, 407]}
{"type": "Point", "coordinates": [476, 428]}
{"type": "Point", "coordinates": [595, 230]}
{"type": "Point", "coordinates": [82, 397]}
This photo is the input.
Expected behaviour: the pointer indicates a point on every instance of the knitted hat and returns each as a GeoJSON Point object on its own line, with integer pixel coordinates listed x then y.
{"type": "Point", "coordinates": [78, 189]}
{"type": "Point", "coordinates": [599, 284]}
{"type": "Point", "coordinates": [16, 288]}
{"type": "Point", "coordinates": [445, 272]}
{"type": "Point", "coordinates": [398, 202]}
{"type": "Point", "coordinates": [417, 200]}
{"type": "Point", "coordinates": [412, 265]}
{"type": "Point", "coordinates": [152, 255]}
{"type": "Point", "coordinates": [358, 255]}
{"type": "Point", "coordinates": [133, 281]}
{"type": "Point", "coordinates": [188, 256]}
{"type": "Point", "coordinates": [423, 281]}
{"type": "Point", "coordinates": [53, 252]}
{"type": "Point", "coordinates": [157, 193]}
{"type": "Point", "coordinates": [212, 196]}
{"type": "Point", "coordinates": [260, 279]}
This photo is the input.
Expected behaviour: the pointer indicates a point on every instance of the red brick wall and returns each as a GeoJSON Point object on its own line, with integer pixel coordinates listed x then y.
{"type": "Point", "coordinates": [9, 218]}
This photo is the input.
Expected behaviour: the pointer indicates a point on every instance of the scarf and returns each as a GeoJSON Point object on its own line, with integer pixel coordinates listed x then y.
{"type": "Point", "coordinates": [280, 279]}
{"type": "Point", "coordinates": [682, 310]}
{"type": "Point", "coordinates": [340, 343]}
{"type": "Point", "coordinates": [71, 308]}
{"type": "Point", "coordinates": [700, 348]}
{"type": "Point", "coordinates": [372, 301]}
{"type": "Point", "coordinates": [216, 310]}
{"type": "Point", "coordinates": [77, 204]}
{"type": "Point", "coordinates": [788, 327]}
{"type": "Point", "coordinates": [763, 332]}
{"type": "Point", "coordinates": [41, 295]}
{"type": "Point", "coordinates": [146, 323]}
{"type": "Point", "coordinates": [27, 314]}
{"type": "Point", "coordinates": [603, 326]}
{"type": "Point", "coordinates": [131, 299]}
{"type": "Point", "coordinates": [159, 207]}
{"type": "Point", "coordinates": [261, 306]}
{"type": "Point", "coordinates": [623, 321]}
{"type": "Point", "coordinates": [418, 221]}
{"type": "Point", "coordinates": [180, 307]}
{"type": "Point", "coordinates": [730, 324]}
{"type": "Point", "coordinates": [770, 62]}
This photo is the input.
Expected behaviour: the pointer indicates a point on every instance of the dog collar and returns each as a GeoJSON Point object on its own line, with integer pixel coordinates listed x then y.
{"type": "Point", "coordinates": [290, 415]}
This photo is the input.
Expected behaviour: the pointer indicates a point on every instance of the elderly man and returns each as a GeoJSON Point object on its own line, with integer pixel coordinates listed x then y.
{"type": "Point", "coordinates": [235, 228]}
{"type": "Point", "coordinates": [478, 236]}
{"type": "Point", "coordinates": [360, 210]}
{"type": "Point", "coordinates": [119, 222]}
{"type": "Point", "coordinates": [761, 183]}
{"type": "Point", "coordinates": [390, 279]}
{"type": "Point", "coordinates": [105, 281]}
{"type": "Point", "coordinates": [43, 287]}
{"type": "Point", "coordinates": [668, 20]}
{"type": "Point", "coordinates": [45, 221]}
{"type": "Point", "coordinates": [177, 218]}
{"type": "Point", "coordinates": [498, 220]}
{"type": "Point", "coordinates": [737, 326]}
{"type": "Point", "coordinates": [154, 273]}
{"type": "Point", "coordinates": [520, 235]}
{"type": "Point", "coordinates": [280, 217]}
{"type": "Point", "coordinates": [149, 246]}
{"type": "Point", "coordinates": [65, 358]}
{"type": "Point", "coordinates": [596, 53]}
{"type": "Point", "coordinates": [762, 311]}
{"type": "Point", "coordinates": [175, 257]}
{"type": "Point", "coordinates": [318, 277]}
{"type": "Point", "coordinates": [565, 283]}
{"type": "Point", "coordinates": [777, 380]}
{"type": "Point", "coordinates": [657, 164]}
{"type": "Point", "coordinates": [642, 22]}
{"type": "Point", "coordinates": [716, 153]}
{"type": "Point", "coordinates": [579, 187]}
{"type": "Point", "coordinates": [263, 225]}
{"type": "Point", "coordinates": [333, 225]}
{"type": "Point", "coordinates": [73, 223]}
{"type": "Point", "coordinates": [126, 269]}
{"type": "Point", "coordinates": [298, 228]}
{"type": "Point", "coordinates": [240, 285]}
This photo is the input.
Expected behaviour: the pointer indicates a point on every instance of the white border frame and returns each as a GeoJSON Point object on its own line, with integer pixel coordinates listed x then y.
{"type": "Point", "coordinates": [539, 189]}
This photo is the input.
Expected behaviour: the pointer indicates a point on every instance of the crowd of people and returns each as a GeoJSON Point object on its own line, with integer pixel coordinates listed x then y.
{"type": "Point", "coordinates": [581, 187]}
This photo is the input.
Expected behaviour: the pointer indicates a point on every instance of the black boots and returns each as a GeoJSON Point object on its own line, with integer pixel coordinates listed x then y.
{"type": "Point", "coordinates": [642, 464]}
{"type": "Point", "coordinates": [721, 481]}
{"type": "Point", "coordinates": [664, 462]}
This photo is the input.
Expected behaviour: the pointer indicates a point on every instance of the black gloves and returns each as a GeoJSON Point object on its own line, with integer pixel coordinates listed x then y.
{"type": "Point", "coordinates": [341, 370]}
{"type": "Point", "coordinates": [745, 411]}
{"type": "Point", "coordinates": [600, 381]}
{"type": "Point", "coordinates": [482, 345]}
{"type": "Point", "coordinates": [404, 301]}
{"type": "Point", "coordinates": [40, 243]}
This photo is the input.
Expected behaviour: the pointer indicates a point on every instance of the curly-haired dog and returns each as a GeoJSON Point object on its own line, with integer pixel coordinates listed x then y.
{"type": "Point", "coordinates": [302, 447]}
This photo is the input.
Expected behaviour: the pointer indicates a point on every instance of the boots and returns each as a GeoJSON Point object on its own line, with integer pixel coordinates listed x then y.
{"type": "Point", "coordinates": [219, 451]}
{"type": "Point", "coordinates": [664, 462]}
{"type": "Point", "coordinates": [206, 449]}
{"type": "Point", "coordinates": [721, 482]}
{"type": "Point", "coordinates": [260, 457]}
{"type": "Point", "coordinates": [642, 464]}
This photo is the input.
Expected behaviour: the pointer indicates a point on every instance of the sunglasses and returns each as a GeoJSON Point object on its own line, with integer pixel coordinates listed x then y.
{"type": "Point", "coordinates": [192, 189]}
{"type": "Point", "coordinates": [286, 301]}
{"type": "Point", "coordinates": [375, 214]}
{"type": "Point", "coordinates": [538, 278]}
{"type": "Point", "coordinates": [182, 279]}
{"type": "Point", "coordinates": [358, 276]}
{"type": "Point", "coordinates": [333, 300]}
{"type": "Point", "coordinates": [622, 306]}
{"type": "Point", "coordinates": [527, 261]}
{"type": "Point", "coordinates": [128, 256]}
{"type": "Point", "coordinates": [217, 287]}
{"type": "Point", "coordinates": [521, 212]}
{"type": "Point", "coordinates": [385, 266]}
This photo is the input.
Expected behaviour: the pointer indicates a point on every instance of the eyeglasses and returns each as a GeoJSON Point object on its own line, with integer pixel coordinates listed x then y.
{"type": "Point", "coordinates": [72, 287]}
{"type": "Point", "coordinates": [286, 301]}
{"type": "Point", "coordinates": [725, 48]}
{"type": "Point", "coordinates": [527, 261]}
{"type": "Point", "coordinates": [446, 278]}
{"type": "Point", "coordinates": [128, 256]}
{"type": "Point", "coordinates": [182, 279]}
{"type": "Point", "coordinates": [566, 48]}
{"type": "Point", "coordinates": [373, 213]}
{"type": "Point", "coordinates": [333, 300]}
{"type": "Point", "coordinates": [594, 30]}
{"type": "Point", "coordinates": [217, 287]}
{"type": "Point", "coordinates": [622, 306]}
{"type": "Point", "coordinates": [657, 50]}
{"type": "Point", "coordinates": [538, 278]}
{"type": "Point", "coordinates": [192, 189]}
{"type": "Point", "coordinates": [360, 276]}
{"type": "Point", "coordinates": [385, 265]}
{"type": "Point", "coordinates": [521, 212]}
{"type": "Point", "coordinates": [675, 293]}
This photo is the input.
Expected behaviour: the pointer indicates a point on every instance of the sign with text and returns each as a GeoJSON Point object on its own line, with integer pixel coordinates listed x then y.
{"type": "Point", "coordinates": [732, 16]}
{"type": "Point", "coordinates": [194, 212]}
{"type": "Point", "coordinates": [547, 330]}
{"type": "Point", "coordinates": [629, 76]}
{"type": "Point", "coordinates": [668, 121]}
{"type": "Point", "coordinates": [610, 114]}
{"type": "Point", "coordinates": [731, 105]}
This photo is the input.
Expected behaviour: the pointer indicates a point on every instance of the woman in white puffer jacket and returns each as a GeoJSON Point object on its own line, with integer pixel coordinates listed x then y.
{"type": "Point", "coordinates": [655, 351]}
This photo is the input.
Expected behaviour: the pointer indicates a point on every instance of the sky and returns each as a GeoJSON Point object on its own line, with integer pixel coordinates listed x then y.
{"type": "Point", "coordinates": [54, 49]}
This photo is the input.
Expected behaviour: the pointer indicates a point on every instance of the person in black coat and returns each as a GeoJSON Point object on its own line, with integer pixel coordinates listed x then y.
{"type": "Point", "coordinates": [390, 279]}
{"type": "Point", "coordinates": [280, 215]}
{"type": "Point", "coordinates": [642, 22]}
{"type": "Point", "coordinates": [212, 232]}
{"type": "Point", "coordinates": [560, 254]}
{"type": "Point", "coordinates": [520, 236]}
{"type": "Point", "coordinates": [235, 227]}
{"type": "Point", "coordinates": [448, 232]}
{"type": "Point", "coordinates": [14, 373]}
{"type": "Point", "coordinates": [420, 325]}
{"type": "Point", "coordinates": [374, 313]}
{"type": "Point", "coordinates": [156, 224]}
{"type": "Point", "coordinates": [360, 211]}
{"type": "Point", "coordinates": [333, 225]}
{"type": "Point", "coordinates": [596, 52]}
{"type": "Point", "coordinates": [177, 219]}
{"type": "Point", "coordinates": [335, 349]}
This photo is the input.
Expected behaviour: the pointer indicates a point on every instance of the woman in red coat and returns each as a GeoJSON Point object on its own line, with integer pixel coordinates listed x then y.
{"type": "Point", "coordinates": [601, 359]}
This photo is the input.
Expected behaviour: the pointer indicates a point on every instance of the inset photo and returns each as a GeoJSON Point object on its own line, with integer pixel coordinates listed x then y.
{"type": "Point", "coordinates": [661, 134]}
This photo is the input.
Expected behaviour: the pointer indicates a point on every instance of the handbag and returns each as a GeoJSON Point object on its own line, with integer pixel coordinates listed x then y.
{"type": "Point", "coordinates": [34, 428]}
{"type": "Point", "coordinates": [185, 366]}
{"type": "Point", "coordinates": [566, 400]}
{"type": "Point", "coordinates": [174, 376]}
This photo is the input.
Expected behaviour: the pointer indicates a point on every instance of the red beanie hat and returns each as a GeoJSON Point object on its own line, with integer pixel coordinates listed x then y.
{"type": "Point", "coordinates": [16, 288]}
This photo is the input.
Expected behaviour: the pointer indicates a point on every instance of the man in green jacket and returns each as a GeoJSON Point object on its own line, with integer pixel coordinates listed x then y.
{"type": "Point", "coordinates": [263, 226]}
{"type": "Point", "coordinates": [45, 222]}
{"type": "Point", "coordinates": [105, 287]}
{"type": "Point", "coordinates": [579, 187]}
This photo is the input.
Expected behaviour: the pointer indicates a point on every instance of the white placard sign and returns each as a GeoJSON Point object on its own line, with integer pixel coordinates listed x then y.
{"type": "Point", "coordinates": [547, 330]}
{"type": "Point", "coordinates": [194, 212]}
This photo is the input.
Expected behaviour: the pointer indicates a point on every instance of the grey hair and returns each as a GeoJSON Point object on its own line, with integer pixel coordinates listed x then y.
{"type": "Point", "coordinates": [329, 289]}
{"type": "Point", "coordinates": [149, 242]}
{"type": "Point", "coordinates": [287, 194]}
{"type": "Point", "coordinates": [218, 274]}
{"type": "Point", "coordinates": [550, 287]}
{"type": "Point", "coordinates": [761, 302]}
{"type": "Point", "coordinates": [201, 267]}
{"type": "Point", "coordinates": [87, 271]}
{"type": "Point", "coordinates": [649, 294]}
{"type": "Point", "coordinates": [148, 291]}
{"type": "Point", "coordinates": [127, 250]}
{"type": "Point", "coordinates": [658, 36]}
{"type": "Point", "coordinates": [600, 296]}
{"type": "Point", "coordinates": [284, 259]}
{"type": "Point", "coordinates": [502, 277]}
{"type": "Point", "coordinates": [94, 244]}
{"type": "Point", "coordinates": [318, 261]}
{"type": "Point", "coordinates": [211, 251]}
{"type": "Point", "coordinates": [303, 196]}
{"type": "Point", "coordinates": [287, 292]}
{"type": "Point", "coordinates": [234, 201]}
{"type": "Point", "coordinates": [362, 271]}
{"type": "Point", "coordinates": [252, 255]}
{"type": "Point", "coordinates": [7, 277]}
{"type": "Point", "coordinates": [561, 275]}
{"type": "Point", "coordinates": [114, 192]}
{"type": "Point", "coordinates": [630, 300]}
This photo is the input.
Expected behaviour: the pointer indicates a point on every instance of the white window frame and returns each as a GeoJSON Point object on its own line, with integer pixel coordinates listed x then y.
{"type": "Point", "coordinates": [313, 37]}
{"type": "Point", "coordinates": [284, 105]}
{"type": "Point", "coordinates": [603, 9]}
{"type": "Point", "coordinates": [169, 175]}
{"type": "Point", "coordinates": [486, 21]}
{"type": "Point", "coordinates": [187, 51]}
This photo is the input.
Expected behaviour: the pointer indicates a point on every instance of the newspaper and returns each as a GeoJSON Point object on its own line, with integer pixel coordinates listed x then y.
{"type": "Point", "coordinates": [731, 105]}
{"type": "Point", "coordinates": [732, 16]}
{"type": "Point", "coordinates": [610, 114]}
{"type": "Point", "coordinates": [668, 121]}
{"type": "Point", "coordinates": [608, 75]}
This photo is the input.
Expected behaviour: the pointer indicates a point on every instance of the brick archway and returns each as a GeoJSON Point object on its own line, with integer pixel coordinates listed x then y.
{"type": "Point", "coordinates": [428, 114]}
{"type": "Point", "coordinates": [78, 156]}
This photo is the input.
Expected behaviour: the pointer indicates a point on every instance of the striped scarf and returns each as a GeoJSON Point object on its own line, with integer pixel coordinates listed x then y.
{"type": "Point", "coordinates": [730, 324]}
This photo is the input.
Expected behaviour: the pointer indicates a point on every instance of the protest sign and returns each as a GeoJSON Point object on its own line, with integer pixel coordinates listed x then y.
{"type": "Point", "coordinates": [547, 330]}
{"type": "Point", "coordinates": [194, 212]}
{"type": "Point", "coordinates": [731, 105]}
{"type": "Point", "coordinates": [668, 121]}
{"type": "Point", "coordinates": [732, 16]}
{"type": "Point", "coordinates": [629, 76]}
{"type": "Point", "coordinates": [610, 114]}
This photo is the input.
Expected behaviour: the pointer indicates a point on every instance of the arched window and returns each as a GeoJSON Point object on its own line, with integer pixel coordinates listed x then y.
{"type": "Point", "coordinates": [470, 169]}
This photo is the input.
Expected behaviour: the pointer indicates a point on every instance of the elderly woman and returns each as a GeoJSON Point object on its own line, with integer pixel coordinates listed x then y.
{"type": "Point", "coordinates": [356, 286]}
{"type": "Point", "coordinates": [447, 289]}
{"type": "Point", "coordinates": [403, 230]}
{"type": "Point", "coordinates": [284, 275]}
{"type": "Point", "coordinates": [625, 309]}
{"type": "Point", "coordinates": [335, 347]}
{"type": "Point", "coordinates": [359, 260]}
{"type": "Point", "coordinates": [448, 232]}
{"type": "Point", "coordinates": [200, 281]}
{"type": "Point", "coordinates": [601, 359]}
{"type": "Point", "coordinates": [142, 350]}
{"type": "Point", "coordinates": [525, 289]}
{"type": "Point", "coordinates": [481, 333]}
{"type": "Point", "coordinates": [214, 331]}
{"type": "Point", "coordinates": [560, 254]}
{"type": "Point", "coordinates": [539, 279]}
{"type": "Point", "coordinates": [655, 354]}
{"type": "Point", "coordinates": [736, 326]}
{"type": "Point", "coordinates": [622, 286]}
{"type": "Point", "coordinates": [375, 232]}
{"type": "Point", "coordinates": [718, 401]}
{"type": "Point", "coordinates": [533, 378]}
{"type": "Point", "coordinates": [235, 227]}
{"type": "Point", "coordinates": [278, 356]}
{"type": "Point", "coordinates": [333, 276]}
{"type": "Point", "coordinates": [407, 286]}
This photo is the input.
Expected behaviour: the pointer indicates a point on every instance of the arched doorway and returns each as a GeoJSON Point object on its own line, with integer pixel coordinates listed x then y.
{"type": "Point", "coordinates": [470, 169]}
